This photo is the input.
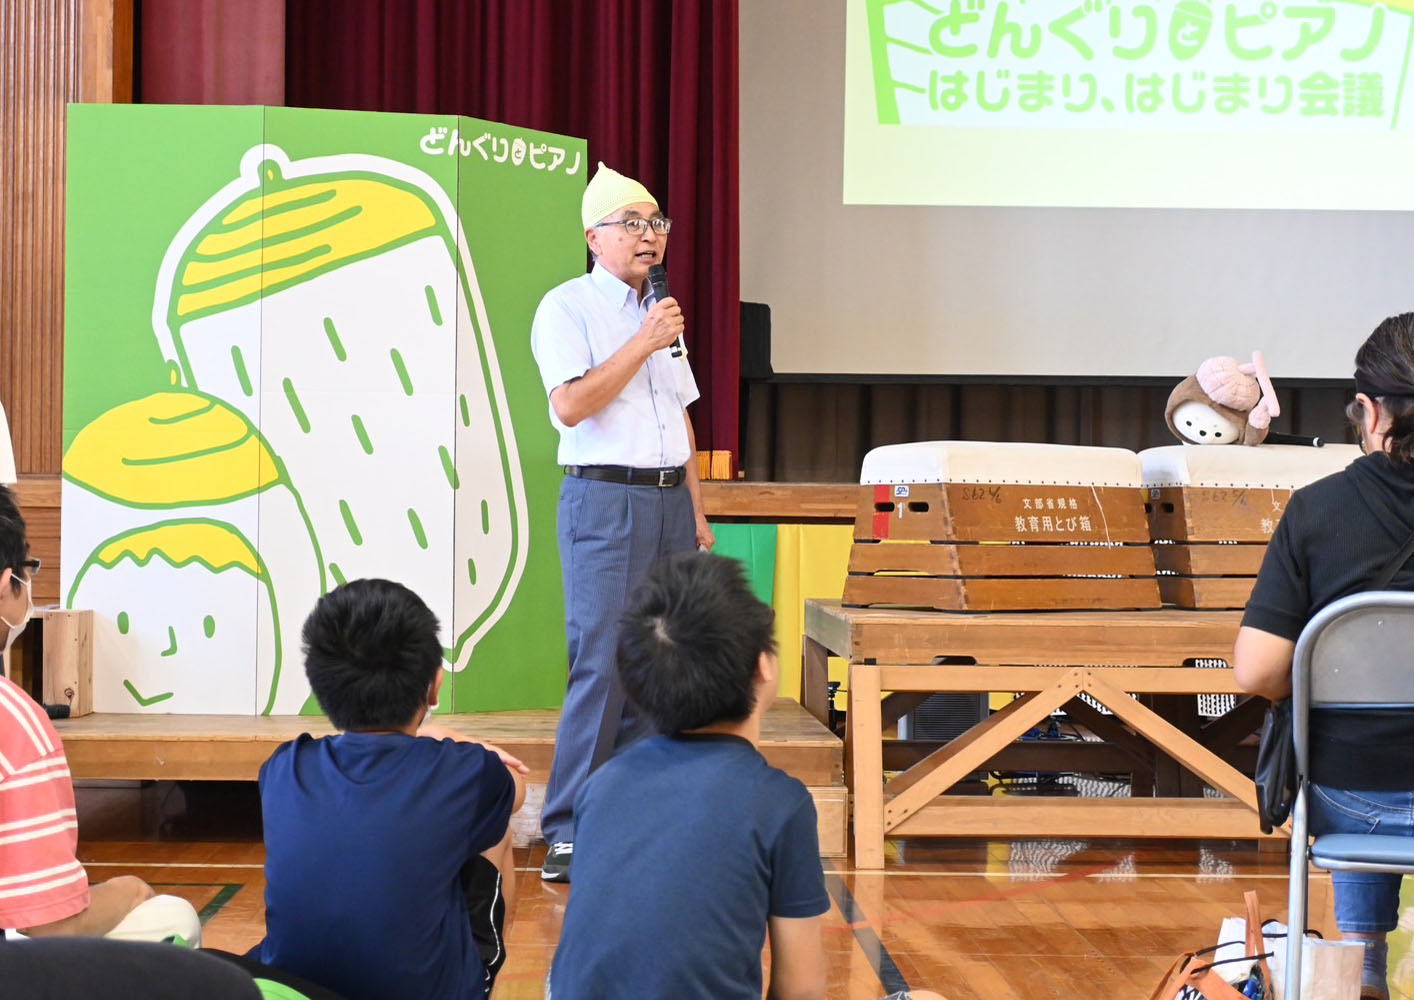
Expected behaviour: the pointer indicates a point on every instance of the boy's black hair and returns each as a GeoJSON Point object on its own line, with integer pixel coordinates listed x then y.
{"type": "Point", "coordinates": [690, 641]}
{"type": "Point", "coordinates": [14, 547]}
{"type": "Point", "coordinates": [371, 652]}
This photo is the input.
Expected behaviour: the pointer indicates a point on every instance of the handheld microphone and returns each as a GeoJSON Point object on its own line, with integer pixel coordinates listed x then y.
{"type": "Point", "coordinates": [1276, 437]}
{"type": "Point", "coordinates": [658, 279]}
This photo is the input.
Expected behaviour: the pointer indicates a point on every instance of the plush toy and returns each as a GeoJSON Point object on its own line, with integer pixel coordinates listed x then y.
{"type": "Point", "coordinates": [1226, 402]}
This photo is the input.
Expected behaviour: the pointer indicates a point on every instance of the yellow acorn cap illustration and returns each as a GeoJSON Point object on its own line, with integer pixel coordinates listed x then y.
{"type": "Point", "coordinates": [171, 449]}
{"type": "Point", "coordinates": [288, 230]}
{"type": "Point", "coordinates": [214, 544]}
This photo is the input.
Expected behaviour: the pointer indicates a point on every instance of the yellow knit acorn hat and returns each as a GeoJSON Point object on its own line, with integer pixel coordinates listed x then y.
{"type": "Point", "coordinates": [607, 192]}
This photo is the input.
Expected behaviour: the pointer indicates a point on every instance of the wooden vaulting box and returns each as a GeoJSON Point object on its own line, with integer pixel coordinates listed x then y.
{"type": "Point", "coordinates": [986, 526]}
{"type": "Point", "coordinates": [1213, 509]}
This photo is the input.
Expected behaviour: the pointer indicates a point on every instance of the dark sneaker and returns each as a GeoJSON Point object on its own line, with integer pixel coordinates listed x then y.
{"type": "Point", "coordinates": [557, 862]}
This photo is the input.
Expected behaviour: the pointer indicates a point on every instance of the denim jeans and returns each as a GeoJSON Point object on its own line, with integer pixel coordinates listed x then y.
{"type": "Point", "coordinates": [1365, 902]}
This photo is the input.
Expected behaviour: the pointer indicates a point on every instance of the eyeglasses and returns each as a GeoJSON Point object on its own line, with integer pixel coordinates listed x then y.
{"type": "Point", "coordinates": [33, 565]}
{"type": "Point", "coordinates": [637, 225]}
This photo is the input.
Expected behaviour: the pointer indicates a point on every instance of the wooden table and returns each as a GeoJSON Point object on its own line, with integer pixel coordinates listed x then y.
{"type": "Point", "coordinates": [1051, 659]}
{"type": "Point", "coordinates": [787, 502]}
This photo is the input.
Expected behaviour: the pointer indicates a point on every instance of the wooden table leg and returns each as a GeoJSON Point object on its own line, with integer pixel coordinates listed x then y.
{"type": "Point", "coordinates": [815, 679]}
{"type": "Point", "coordinates": [866, 753]}
{"type": "Point", "coordinates": [1182, 711]}
{"type": "Point", "coordinates": [1167, 773]}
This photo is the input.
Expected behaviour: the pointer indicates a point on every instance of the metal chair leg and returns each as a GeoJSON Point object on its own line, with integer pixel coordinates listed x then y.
{"type": "Point", "coordinates": [1296, 907]}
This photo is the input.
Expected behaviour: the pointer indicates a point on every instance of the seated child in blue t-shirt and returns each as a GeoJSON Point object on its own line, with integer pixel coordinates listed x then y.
{"type": "Point", "coordinates": [388, 859]}
{"type": "Point", "coordinates": [688, 845]}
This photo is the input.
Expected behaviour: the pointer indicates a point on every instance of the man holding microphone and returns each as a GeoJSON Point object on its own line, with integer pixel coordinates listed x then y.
{"type": "Point", "coordinates": [610, 355]}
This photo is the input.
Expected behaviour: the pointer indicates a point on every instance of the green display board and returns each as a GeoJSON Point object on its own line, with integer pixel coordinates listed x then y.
{"type": "Point", "coordinates": [297, 353]}
{"type": "Point", "coordinates": [754, 546]}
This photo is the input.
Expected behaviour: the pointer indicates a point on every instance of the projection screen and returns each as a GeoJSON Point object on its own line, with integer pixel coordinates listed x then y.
{"type": "Point", "coordinates": [1076, 188]}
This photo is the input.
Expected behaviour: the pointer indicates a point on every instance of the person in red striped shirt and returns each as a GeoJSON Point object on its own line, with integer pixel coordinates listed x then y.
{"type": "Point", "coordinates": [44, 890]}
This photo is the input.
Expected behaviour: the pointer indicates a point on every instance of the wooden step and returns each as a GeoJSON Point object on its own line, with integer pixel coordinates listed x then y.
{"type": "Point", "coordinates": [1002, 593]}
{"type": "Point", "coordinates": [1207, 592]}
{"type": "Point", "coordinates": [1000, 512]}
{"type": "Point", "coordinates": [1210, 559]}
{"type": "Point", "coordinates": [1213, 514]}
{"type": "Point", "coordinates": [232, 748]}
{"type": "Point", "coordinates": [1001, 559]}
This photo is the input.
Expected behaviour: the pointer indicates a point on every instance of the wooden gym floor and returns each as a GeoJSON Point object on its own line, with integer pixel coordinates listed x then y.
{"type": "Point", "coordinates": [972, 920]}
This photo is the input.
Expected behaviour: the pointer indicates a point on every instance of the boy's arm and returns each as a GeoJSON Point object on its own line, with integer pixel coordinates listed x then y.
{"type": "Point", "coordinates": [517, 779]}
{"type": "Point", "coordinates": [797, 959]}
{"type": "Point", "coordinates": [514, 765]}
{"type": "Point", "coordinates": [109, 903]}
{"type": "Point", "coordinates": [437, 732]}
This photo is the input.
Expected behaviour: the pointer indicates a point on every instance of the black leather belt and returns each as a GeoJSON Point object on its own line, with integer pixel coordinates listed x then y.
{"type": "Point", "coordinates": [661, 478]}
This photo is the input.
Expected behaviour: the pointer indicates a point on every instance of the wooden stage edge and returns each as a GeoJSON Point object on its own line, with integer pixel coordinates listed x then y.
{"type": "Point", "coordinates": [232, 748]}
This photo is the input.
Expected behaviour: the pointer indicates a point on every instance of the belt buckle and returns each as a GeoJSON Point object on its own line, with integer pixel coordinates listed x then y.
{"type": "Point", "coordinates": [663, 475]}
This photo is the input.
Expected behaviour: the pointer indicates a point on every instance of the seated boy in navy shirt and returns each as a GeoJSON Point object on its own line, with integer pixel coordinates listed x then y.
{"type": "Point", "coordinates": [388, 860]}
{"type": "Point", "coordinates": [688, 845]}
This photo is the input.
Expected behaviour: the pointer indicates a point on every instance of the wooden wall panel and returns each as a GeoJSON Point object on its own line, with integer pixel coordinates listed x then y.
{"type": "Point", "coordinates": [52, 52]}
{"type": "Point", "coordinates": [38, 498]}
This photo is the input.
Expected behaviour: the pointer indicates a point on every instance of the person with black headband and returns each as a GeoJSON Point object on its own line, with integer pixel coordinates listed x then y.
{"type": "Point", "coordinates": [1339, 536]}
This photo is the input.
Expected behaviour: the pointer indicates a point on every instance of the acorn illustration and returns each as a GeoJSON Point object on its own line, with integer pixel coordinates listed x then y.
{"type": "Point", "coordinates": [1189, 27]}
{"type": "Point", "coordinates": [333, 300]}
{"type": "Point", "coordinates": [184, 536]}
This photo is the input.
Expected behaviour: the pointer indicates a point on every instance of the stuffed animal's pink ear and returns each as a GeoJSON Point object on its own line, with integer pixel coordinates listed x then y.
{"type": "Point", "coordinates": [1227, 385]}
{"type": "Point", "coordinates": [1269, 394]}
{"type": "Point", "coordinates": [1262, 413]}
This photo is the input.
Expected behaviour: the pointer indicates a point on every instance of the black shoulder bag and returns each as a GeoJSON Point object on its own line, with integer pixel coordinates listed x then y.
{"type": "Point", "coordinates": [1275, 775]}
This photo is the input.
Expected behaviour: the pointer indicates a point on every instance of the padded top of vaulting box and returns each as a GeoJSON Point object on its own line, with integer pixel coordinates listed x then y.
{"type": "Point", "coordinates": [1267, 466]}
{"type": "Point", "coordinates": [1000, 462]}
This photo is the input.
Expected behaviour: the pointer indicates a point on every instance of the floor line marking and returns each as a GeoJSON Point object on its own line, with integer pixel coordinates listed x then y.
{"type": "Point", "coordinates": [217, 904]}
{"type": "Point", "coordinates": [1055, 876]}
{"type": "Point", "coordinates": [890, 977]}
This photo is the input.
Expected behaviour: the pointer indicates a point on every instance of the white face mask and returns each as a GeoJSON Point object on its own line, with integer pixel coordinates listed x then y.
{"type": "Point", "coordinates": [15, 630]}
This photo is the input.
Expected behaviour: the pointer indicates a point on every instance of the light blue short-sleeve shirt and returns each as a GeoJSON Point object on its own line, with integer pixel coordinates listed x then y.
{"type": "Point", "coordinates": [579, 325]}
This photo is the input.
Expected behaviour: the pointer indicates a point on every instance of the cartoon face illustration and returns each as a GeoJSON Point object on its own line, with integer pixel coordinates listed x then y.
{"type": "Point", "coordinates": [1201, 424]}
{"type": "Point", "coordinates": [167, 501]}
{"type": "Point", "coordinates": [335, 297]}
{"type": "Point", "coordinates": [186, 610]}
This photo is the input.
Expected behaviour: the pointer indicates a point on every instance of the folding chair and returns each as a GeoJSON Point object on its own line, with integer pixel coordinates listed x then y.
{"type": "Point", "coordinates": [1355, 653]}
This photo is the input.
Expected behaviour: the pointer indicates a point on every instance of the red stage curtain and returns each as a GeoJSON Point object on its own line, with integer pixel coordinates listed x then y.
{"type": "Point", "coordinates": [211, 52]}
{"type": "Point", "coordinates": [652, 84]}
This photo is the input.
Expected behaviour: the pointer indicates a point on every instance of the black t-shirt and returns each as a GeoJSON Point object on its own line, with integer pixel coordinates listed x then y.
{"type": "Point", "coordinates": [1336, 538]}
{"type": "Point", "coordinates": [684, 847]}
